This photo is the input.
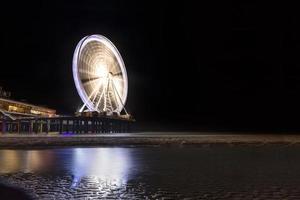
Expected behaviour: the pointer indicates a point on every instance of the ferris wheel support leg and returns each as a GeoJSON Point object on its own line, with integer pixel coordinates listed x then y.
{"type": "Point", "coordinates": [82, 107]}
{"type": "Point", "coordinates": [116, 91]}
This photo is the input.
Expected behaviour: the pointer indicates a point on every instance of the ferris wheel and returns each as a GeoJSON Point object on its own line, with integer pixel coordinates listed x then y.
{"type": "Point", "coordinates": [100, 75]}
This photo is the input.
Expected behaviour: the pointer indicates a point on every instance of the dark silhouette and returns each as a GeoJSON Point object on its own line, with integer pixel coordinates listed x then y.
{"type": "Point", "coordinates": [12, 193]}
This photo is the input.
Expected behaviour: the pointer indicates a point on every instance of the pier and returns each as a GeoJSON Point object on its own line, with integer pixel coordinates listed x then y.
{"type": "Point", "coordinates": [62, 125]}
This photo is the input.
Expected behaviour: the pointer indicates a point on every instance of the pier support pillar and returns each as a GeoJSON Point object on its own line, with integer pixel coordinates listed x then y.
{"type": "Point", "coordinates": [3, 126]}
{"type": "Point", "coordinates": [18, 126]}
{"type": "Point", "coordinates": [60, 126]}
{"type": "Point", "coordinates": [47, 126]}
{"type": "Point", "coordinates": [67, 126]}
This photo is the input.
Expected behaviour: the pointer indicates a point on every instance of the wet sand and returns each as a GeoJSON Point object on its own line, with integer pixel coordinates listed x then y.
{"type": "Point", "coordinates": [210, 172]}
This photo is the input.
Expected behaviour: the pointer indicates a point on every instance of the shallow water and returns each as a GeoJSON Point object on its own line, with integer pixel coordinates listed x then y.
{"type": "Point", "coordinates": [210, 172]}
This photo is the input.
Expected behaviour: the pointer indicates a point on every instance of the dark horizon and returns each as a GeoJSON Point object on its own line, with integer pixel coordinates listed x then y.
{"type": "Point", "coordinates": [190, 65]}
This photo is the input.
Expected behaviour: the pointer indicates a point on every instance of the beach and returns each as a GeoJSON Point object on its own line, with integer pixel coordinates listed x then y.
{"type": "Point", "coordinates": [144, 138]}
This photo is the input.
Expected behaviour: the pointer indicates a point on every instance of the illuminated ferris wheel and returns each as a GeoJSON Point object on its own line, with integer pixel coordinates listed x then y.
{"type": "Point", "coordinates": [100, 75]}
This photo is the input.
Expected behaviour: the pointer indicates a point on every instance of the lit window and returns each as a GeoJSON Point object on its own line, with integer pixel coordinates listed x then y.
{"type": "Point", "coordinates": [12, 108]}
{"type": "Point", "coordinates": [35, 112]}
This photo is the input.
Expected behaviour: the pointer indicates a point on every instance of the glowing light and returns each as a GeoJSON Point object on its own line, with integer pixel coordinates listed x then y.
{"type": "Point", "coordinates": [101, 71]}
{"type": "Point", "coordinates": [35, 112]}
{"type": "Point", "coordinates": [12, 108]}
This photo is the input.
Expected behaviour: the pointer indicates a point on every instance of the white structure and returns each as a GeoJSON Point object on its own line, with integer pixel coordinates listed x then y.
{"type": "Point", "coordinates": [100, 75]}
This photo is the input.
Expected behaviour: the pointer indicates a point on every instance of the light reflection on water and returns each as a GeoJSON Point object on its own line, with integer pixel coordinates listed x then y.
{"type": "Point", "coordinates": [26, 161]}
{"type": "Point", "coordinates": [101, 171]}
{"type": "Point", "coordinates": [226, 172]}
{"type": "Point", "coordinates": [109, 164]}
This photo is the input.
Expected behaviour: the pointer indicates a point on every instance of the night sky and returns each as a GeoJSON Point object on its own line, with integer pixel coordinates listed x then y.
{"type": "Point", "coordinates": [194, 66]}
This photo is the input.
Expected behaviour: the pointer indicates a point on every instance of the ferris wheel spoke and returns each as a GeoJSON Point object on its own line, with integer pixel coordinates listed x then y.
{"type": "Point", "coordinates": [87, 80]}
{"type": "Point", "coordinates": [95, 94]}
{"type": "Point", "coordinates": [85, 60]}
{"type": "Point", "coordinates": [85, 56]}
{"type": "Point", "coordinates": [85, 72]}
{"type": "Point", "coordinates": [117, 74]}
{"type": "Point", "coordinates": [92, 93]}
{"type": "Point", "coordinates": [117, 79]}
{"type": "Point", "coordinates": [96, 91]}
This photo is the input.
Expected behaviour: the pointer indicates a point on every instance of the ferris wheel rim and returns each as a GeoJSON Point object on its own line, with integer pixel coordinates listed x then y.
{"type": "Point", "coordinates": [75, 68]}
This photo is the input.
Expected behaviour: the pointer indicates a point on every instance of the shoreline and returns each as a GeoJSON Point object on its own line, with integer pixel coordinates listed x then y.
{"type": "Point", "coordinates": [142, 139]}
